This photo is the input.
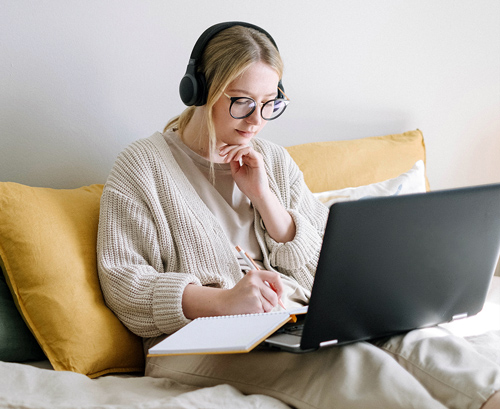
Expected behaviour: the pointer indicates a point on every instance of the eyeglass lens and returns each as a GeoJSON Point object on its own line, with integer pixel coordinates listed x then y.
{"type": "Point", "coordinates": [244, 107]}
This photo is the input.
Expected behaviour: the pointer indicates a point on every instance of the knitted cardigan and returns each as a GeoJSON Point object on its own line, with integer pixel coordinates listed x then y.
{"type": "Point", "coordinates": [156, 235]}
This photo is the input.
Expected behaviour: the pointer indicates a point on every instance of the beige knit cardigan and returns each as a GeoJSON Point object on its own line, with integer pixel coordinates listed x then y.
{"type": "Point", "coordinates": [156, 235]}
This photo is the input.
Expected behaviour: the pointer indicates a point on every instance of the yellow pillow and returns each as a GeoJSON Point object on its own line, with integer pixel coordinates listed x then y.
{"type": "Point", "coordinates": [48, 249]}
{"type": "Point", "coordinates": [351, 163]}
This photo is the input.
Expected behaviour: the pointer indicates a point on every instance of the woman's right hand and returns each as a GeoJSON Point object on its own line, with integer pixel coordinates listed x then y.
{"type": "Point", "coordinates": [258, 291]}
{"type": "Point", "coordinates": [252, 294]}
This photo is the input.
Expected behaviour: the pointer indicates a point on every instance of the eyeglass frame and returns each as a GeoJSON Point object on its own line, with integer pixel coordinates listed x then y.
{"type": "Point", "coordinates": [234, 99]}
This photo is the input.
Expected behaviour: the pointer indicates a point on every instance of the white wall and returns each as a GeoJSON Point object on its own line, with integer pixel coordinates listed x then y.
{"type": "Point", "coordinates": [79, 80]}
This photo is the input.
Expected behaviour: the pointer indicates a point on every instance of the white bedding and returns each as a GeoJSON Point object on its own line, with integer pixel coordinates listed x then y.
{"type": "Point", "coordinates": [29, 387]}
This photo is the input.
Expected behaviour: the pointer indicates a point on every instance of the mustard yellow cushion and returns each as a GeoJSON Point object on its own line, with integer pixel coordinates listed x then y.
{"type": "Point", "coordinates": [358, 162]}
{"type": "Point", "coordinates": [48, 250]}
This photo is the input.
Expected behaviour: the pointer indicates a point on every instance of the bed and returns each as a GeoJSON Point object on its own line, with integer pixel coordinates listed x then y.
{"type": "Point", "coordinates": [61, 347]}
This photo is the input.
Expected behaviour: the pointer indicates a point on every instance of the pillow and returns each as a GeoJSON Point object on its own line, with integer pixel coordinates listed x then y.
{"type": "Point", "coordinates": [48, 248]}
{"type": "Point", "coordinates": [358, 162]}
{"type": "Point", "coordinates": [412, 181]}
{"type": "Point", "coordinates": [17, 343]}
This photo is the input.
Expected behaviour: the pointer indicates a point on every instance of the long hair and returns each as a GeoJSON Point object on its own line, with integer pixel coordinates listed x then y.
{"type": "Point", "coordinates": [226, 56]}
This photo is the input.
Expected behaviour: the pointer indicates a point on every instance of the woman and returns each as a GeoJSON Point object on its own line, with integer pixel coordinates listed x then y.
{"type": "Point", "coordinates": [174, 208]}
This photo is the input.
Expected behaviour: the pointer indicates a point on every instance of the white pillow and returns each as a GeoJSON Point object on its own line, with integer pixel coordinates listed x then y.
{"type": "Point", "coordinates": [412, 181]}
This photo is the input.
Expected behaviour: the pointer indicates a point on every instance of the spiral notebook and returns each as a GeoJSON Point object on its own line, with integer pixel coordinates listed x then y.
{"type": "Point", "coordinates": [224, 334]}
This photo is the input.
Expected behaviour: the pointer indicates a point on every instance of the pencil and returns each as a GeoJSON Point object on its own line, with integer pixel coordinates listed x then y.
{"type": "Point", "coordinates": [251, 263]}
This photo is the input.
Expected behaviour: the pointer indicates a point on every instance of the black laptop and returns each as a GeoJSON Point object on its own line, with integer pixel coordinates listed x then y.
{"type": "Point", "coordinates": [392, 264]}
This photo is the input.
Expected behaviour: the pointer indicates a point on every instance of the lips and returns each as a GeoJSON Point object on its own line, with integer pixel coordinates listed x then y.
{"type": "Point", "coordinates": [245, 134]}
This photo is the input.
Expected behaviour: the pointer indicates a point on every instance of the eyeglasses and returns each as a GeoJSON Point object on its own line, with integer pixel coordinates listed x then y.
{"type": "Point", "coordinates": [243, 107]}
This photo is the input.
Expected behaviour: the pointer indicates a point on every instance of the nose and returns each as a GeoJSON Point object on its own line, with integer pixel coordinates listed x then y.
{"type": "Point", "coordinates": [255, 118]}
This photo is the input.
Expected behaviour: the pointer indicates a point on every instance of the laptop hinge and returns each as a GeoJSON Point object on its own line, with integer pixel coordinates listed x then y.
{"type": "Point", "coordinates": [459, 316]}
{"type": "Point", "coordinates": [328, 343]}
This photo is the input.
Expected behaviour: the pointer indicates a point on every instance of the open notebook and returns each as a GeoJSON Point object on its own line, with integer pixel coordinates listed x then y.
{"type": "Point", "coordinates": [224, 334]}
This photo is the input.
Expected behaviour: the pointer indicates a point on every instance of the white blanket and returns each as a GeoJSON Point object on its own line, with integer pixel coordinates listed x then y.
{"type": "Point", "coordinates": [28, 387]}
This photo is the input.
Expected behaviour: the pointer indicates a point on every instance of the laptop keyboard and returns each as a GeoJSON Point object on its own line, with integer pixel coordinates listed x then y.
{"type": "Point", "coordinates": [294, 330]}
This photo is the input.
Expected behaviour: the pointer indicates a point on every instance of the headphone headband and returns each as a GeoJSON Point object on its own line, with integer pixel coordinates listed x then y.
{"type": "Point", "coordinates": [193, 88]}
{"type": "Point", "coordinates": [210, 32]}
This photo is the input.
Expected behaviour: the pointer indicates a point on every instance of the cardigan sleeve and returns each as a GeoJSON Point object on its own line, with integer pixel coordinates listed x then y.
{"type": "Point", "coordinates": [145, 297]}
{"type": "Point", "coordinates": [297, 258]}
{"type": "Point", "coordinates": [145, 249]}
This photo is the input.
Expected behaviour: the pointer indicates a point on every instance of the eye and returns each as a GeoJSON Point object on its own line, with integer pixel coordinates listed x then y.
{"type": "Point", "coordinates": [242, 102]}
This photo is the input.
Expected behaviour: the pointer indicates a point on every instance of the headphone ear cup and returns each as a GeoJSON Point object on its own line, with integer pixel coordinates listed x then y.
{"type": "Point", "coordinates": [188, 87]}
{"type": "Point", "coordinates": [193, 87]}
{"type": "Point", "coordinates": [202, 95]}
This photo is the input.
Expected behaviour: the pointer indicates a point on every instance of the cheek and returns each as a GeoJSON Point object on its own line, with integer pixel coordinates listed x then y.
{"type": "Point", "coordinates": [221, 120]}
{"type": "Point", "coordinates": [221, 116]}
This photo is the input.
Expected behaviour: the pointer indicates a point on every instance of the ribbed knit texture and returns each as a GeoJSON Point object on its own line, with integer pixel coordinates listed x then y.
{"type": "Point", "coordinates": [156, 235]}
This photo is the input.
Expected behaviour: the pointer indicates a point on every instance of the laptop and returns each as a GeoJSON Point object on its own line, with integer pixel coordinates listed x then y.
{"type": "Point", "coordinates": [392, 264]}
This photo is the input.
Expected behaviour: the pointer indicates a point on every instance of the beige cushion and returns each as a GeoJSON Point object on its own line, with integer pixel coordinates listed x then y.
{"type": "Point", "coordinates": [341, 164]}
{"type": "Point", "coordinates": [409, 182]}
{"type": "Point", "coordinates": [48, 250]}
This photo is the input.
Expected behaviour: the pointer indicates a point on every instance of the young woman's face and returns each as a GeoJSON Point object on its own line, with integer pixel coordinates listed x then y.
{"type": "Point", "coordinates": [259, 82]}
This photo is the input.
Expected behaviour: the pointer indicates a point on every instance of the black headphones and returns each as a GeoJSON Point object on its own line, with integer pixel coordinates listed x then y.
{"type": "Point", "coordinates": [193, 86]}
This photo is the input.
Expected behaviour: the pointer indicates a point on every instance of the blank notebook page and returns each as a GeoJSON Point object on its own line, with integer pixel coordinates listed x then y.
{"type": "Point", "coordinates": [231, 333]}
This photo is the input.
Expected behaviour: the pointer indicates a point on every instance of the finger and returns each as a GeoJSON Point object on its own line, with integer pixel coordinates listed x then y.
{"type": "Point", "coordinates": [260, 291]}
{"type": "Point", "coordinates": [230, 157]}
{"type": "Point", "coordinates": [239, 154]}
{"type": "Point", "coordinates": [227, 149]}
{"type": "Point", "coordinates": [274, 281]}
{"type": "Point", "coordinates": [269, 300]}
{"type": "Point", "coordinates": [235, 167]}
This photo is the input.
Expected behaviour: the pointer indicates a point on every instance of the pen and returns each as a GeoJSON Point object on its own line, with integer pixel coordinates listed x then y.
{"type": "Point", "coordinates": [250, 263]}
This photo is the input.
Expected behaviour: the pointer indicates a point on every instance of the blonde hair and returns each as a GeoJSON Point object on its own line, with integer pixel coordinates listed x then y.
{"type": "Point", "coordinates": [226, 56]}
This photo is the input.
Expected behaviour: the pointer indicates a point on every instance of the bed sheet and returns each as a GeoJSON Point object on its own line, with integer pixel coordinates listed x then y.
{"type": "Point", "coordinates": [29, 387]}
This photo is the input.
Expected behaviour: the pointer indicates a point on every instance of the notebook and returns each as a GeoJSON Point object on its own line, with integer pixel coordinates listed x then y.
{"type": "Point", "coordinates": [224, 334]}
{"type": "Point", "coordinates": [392, 264]}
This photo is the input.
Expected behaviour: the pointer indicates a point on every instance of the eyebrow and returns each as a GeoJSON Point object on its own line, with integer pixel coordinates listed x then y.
{"type": "Point", "coordinates": [231, 90]}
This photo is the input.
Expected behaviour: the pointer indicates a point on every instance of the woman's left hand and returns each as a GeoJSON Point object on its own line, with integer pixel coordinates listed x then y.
{"type": "Point", "coordinates": [251, 178]}
{"type": "Point", "coordinates": [249, 174]}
